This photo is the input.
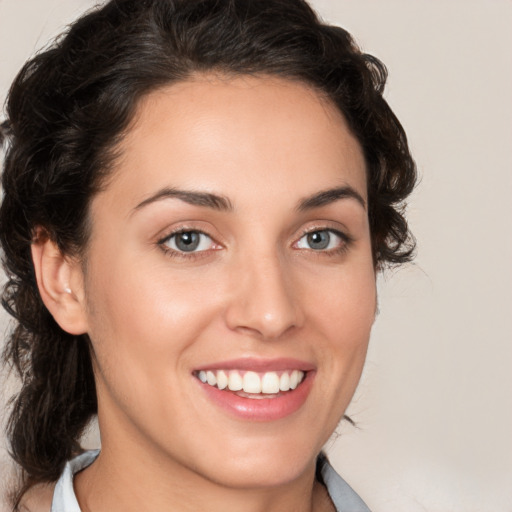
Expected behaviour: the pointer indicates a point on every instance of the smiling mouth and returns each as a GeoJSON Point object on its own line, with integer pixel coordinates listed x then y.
{"type": "Point", "coordinates": [250, 384]}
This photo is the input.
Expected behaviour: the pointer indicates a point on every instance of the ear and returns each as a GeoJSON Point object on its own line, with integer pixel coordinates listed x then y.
{"type": "Point", "coordinates": [60, 282]}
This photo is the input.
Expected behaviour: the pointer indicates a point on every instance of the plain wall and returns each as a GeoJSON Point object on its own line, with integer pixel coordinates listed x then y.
{"type": "Point", "coordinates": [434, 408]}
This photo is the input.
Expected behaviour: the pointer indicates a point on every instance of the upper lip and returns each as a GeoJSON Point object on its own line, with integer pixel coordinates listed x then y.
{"type": "Point", "coordinates": [259, 364]}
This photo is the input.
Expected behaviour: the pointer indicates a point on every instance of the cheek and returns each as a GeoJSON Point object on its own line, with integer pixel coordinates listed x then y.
{"type": "Point", "coordinates": [345, 303]}
{"type": "Point", "coordinates": [344, 313]}
{"type": "Point", "coordinates": [145, 315]}
{"type": "Point", "coordinates": [142, 328]}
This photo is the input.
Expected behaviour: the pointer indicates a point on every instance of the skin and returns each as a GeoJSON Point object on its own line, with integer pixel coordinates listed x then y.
{"type": "Point", "coordinates": [257, 290]}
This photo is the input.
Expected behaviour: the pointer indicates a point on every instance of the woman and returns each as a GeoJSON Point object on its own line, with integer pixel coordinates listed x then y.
{"type": "Point", "coordinates": [197, 197]}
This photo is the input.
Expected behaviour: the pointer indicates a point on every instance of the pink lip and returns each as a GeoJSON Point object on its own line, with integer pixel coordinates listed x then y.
{"type": "Point", "coordinates": [260, 365]}
{"type": "Point", "coordinates": [263, 409]}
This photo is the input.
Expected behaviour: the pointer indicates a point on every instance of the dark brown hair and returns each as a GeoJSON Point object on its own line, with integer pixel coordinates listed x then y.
{"type": "Point", "coordinates": [69, 107]}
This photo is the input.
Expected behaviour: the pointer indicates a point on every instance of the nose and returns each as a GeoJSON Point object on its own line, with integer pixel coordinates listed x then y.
{"type": "Point", "coordinates": [264, 302]}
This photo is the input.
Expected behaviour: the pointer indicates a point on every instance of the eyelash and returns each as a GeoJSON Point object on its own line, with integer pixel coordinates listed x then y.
{"type": "Point", "coordinates": [346, 241]}
{"type": "Point", "coordinates": [173, 253]}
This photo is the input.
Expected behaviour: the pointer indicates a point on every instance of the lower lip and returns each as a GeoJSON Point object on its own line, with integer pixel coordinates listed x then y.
{"type": "Point", "coordinates": [261, 409]}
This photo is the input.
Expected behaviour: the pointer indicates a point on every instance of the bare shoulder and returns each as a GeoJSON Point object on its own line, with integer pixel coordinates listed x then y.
{"type": "Point", "coordinates": [38, 499]}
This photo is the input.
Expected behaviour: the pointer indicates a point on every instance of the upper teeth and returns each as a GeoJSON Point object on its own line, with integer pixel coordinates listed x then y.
{"type": "Point", "coordinates": [252, 382]}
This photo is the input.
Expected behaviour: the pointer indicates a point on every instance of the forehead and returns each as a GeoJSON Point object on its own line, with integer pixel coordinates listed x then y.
{"type": "Point", "coordinates": [239, 134]}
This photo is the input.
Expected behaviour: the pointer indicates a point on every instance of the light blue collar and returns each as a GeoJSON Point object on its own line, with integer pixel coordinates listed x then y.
{"type": "Point", "coordinates": [64, 499]}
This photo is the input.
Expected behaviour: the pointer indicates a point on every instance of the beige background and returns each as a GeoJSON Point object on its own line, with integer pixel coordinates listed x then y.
{"type": "Point", "coordinates": [435, 405]}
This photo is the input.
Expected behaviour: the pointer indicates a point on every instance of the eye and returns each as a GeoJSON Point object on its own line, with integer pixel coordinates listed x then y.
{"type": "Point", "coordinates": [321, 240]}
{"type": "Point", "coordinates": [188, 241]}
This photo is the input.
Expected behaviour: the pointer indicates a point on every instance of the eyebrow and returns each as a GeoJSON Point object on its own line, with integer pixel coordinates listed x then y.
{"type": "Point", "coordinates": [205, 199]}
{"type": "Point", "coordinates": [222, 203]}
{"type": "Point", "coordinates": [329, 196]}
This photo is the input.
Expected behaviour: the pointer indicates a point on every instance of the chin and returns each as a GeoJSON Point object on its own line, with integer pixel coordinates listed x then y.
{"type": "Point", "coordinates": [267, 463]}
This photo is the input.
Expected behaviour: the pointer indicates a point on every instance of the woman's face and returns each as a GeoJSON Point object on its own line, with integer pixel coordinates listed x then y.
{"type": "Point", "coordinates": [232, 245]}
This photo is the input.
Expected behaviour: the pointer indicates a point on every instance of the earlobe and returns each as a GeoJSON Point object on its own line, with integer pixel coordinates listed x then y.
{"type": "Point", "coordinates": [60, 282]}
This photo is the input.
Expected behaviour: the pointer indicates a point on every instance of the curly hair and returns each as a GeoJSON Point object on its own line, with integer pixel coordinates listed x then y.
{"type": "Point", "coordinates": [69, 107]}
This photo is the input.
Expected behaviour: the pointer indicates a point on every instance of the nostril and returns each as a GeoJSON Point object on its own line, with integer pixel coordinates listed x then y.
{"type": "Point", "coordinates": [265, 332]}
{"type": "Point", "coordinates": [264, 302]}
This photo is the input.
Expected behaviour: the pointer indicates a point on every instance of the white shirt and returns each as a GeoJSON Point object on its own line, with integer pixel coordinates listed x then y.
{"type": "Point", "coordinates": [64, 498]}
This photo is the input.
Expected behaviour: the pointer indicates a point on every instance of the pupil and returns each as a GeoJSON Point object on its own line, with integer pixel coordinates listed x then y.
{"type": "Point", "coordinates": [318, 240]}
{"type": "Point", "coordinates": [187, 241]}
